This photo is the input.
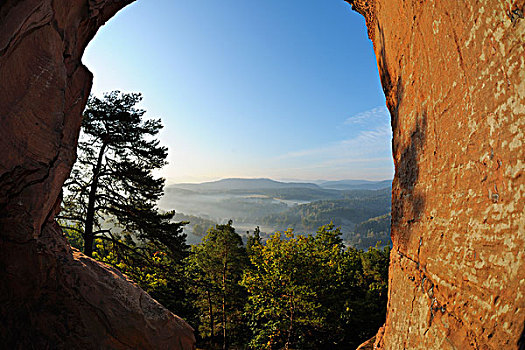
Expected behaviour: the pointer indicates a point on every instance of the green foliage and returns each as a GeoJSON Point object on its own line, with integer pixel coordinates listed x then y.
{"type": "Point", "coordinates": [113, 176]}
{"type": "Point", "coordinates": [74, 236]}
{"type": "Point", "coordinates": [198, 225]}
{"type": "Point", "coordinates": [358, 207]}
{"type": "Point", "coordinates": [215, 268]}
{"type": "Point", "coordinates": [309, 292]}
{"type": "Point", "coordinates": [282, 303]}
{"type": "Point", "coordinates": [368, 304]}
{"type": "Point", "coordinates": [370, 232]}
{"type": "Point", "coordinates": [253, 240]}
{"type": "Point", "coordinates": [303, 292]}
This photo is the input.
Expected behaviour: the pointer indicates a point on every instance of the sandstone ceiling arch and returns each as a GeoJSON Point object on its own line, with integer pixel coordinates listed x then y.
{"type": "Point", "coordinates": [454, 80]}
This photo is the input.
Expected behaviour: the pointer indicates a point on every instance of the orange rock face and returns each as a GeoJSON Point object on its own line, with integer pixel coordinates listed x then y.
{"type": "Point", "coordinates": [50, 296]}
{"type": "Point", "coordinates": [453, 73]}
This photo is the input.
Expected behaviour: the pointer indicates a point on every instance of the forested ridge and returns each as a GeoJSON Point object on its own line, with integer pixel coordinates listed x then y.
{"type": "Point", "coordinates": [277, 209]}
{"type": "Point", "coordinates": [358, 208]}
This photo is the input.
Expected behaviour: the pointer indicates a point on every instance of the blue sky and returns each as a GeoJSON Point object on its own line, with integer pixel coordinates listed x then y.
{"type": "Point", "coordinates": [284, 89]}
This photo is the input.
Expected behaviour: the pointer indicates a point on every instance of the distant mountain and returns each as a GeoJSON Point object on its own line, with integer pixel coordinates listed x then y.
{"type": "Point", "coordinates": [356, 184]}
{"type": "Point", "coordinates": [175, 191]}
{"type": "Point", "coordinates": [317, 182]}
{"type": "Point", "coordinates": [226, 185]}
{"type": "Point", "coordinates": [359, 207]}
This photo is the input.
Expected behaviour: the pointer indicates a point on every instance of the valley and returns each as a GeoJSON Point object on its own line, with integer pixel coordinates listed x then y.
{"type": "Point", "coordinates": [361, 208]}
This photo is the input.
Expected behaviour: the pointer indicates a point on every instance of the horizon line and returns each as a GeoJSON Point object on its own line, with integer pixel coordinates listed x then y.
{"type": "Point", "coordinates": [272, 179]}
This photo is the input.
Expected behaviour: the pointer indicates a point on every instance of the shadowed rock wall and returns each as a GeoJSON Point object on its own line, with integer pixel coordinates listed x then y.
{"type": "Point", "coordinates": [52, 297]}
{"type": "Point", "coordinates": [453, 73]}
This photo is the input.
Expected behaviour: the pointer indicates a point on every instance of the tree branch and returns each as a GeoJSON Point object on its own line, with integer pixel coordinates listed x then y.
{"type": "Point", "coordinates": [72, 228]}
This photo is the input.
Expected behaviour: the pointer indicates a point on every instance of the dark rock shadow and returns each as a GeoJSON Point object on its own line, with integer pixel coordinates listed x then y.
{"type": "Point", "coordinates": [407, 204]}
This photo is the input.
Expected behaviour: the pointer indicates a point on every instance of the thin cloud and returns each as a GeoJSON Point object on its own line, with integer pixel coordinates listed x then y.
{"type": "Point", "coordinates": [373, 137]}
{"type": "Point", "coordinates": [367, 153]}
{"type": "Point", "coordinates": [366, 142]}
{"type": "Point", "coordinates": [370, 116]}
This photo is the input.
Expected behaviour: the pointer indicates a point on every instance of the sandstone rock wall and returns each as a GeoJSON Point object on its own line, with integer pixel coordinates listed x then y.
{"type": "Point", "coordinates": [453, 73]}
{"type": "Point", "coordinates": [50, 296]}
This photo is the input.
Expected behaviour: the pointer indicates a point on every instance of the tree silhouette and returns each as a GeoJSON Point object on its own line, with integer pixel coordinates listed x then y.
{"type": "Point", "coordinates": [113, 181]}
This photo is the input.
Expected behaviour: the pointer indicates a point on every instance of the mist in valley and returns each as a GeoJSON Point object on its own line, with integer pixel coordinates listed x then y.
{"type": "Point", "coordinates": [277, 206]}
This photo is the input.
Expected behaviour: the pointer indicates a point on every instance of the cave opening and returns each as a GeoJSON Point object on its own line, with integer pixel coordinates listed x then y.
{"type": "Point", "coordinates": [260, 93]}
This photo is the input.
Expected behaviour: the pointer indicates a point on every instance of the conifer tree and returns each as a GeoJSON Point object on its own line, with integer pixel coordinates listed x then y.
{"type": "Point", "coordinates": [216, 266]}
{"type": "Point", "coordinates": [113, 176]}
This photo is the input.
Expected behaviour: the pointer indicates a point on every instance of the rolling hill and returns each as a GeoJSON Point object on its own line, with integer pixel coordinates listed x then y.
{"type": "Point", "coordinates": [356, 184]}
{"type": "Point", "coordinates": [237, 184]}
{"type": "Point", "coordinates": [276, 206]}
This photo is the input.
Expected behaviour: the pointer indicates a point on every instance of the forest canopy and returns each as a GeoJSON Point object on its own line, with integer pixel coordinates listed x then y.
{"type": "Point", "coordinates": [292, 291]}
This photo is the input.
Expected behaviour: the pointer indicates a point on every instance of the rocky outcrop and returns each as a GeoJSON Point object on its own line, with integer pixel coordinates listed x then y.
{"type": "Point", "coordinates": [453, 73]}
{"type": "Point", "coordinates": [52, 297]}
{"type": "Point", "coordinates": [454, 79]}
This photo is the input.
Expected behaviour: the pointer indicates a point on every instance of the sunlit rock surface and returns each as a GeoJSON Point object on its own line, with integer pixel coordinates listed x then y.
{"type": "Point", "coordinates": [453, 73]}
{"type": "Point", "coordinates": [50, 296]}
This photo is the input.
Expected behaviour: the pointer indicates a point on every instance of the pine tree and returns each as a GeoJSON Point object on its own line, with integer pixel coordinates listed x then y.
{"type": "Point", "coordinates": [216, 266]}
{"type": "Point", "coordinates": [253, 240]}
{"type": "Point", "coordinates": [113, 176]}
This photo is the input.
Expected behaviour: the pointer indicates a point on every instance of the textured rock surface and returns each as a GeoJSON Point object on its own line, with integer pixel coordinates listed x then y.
{"type": "Point", "coordinates": [453, 73]}
{"type": "Point", "coordinates": [51, 296]}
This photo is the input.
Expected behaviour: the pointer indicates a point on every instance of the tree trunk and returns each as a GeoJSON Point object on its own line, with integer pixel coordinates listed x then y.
{"type": "Point", "coordinates": [224, 307]}
{"type": "Point", "coordinates": [210, 308]}
{"type": "Point", "coordinates": [88, 235]}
